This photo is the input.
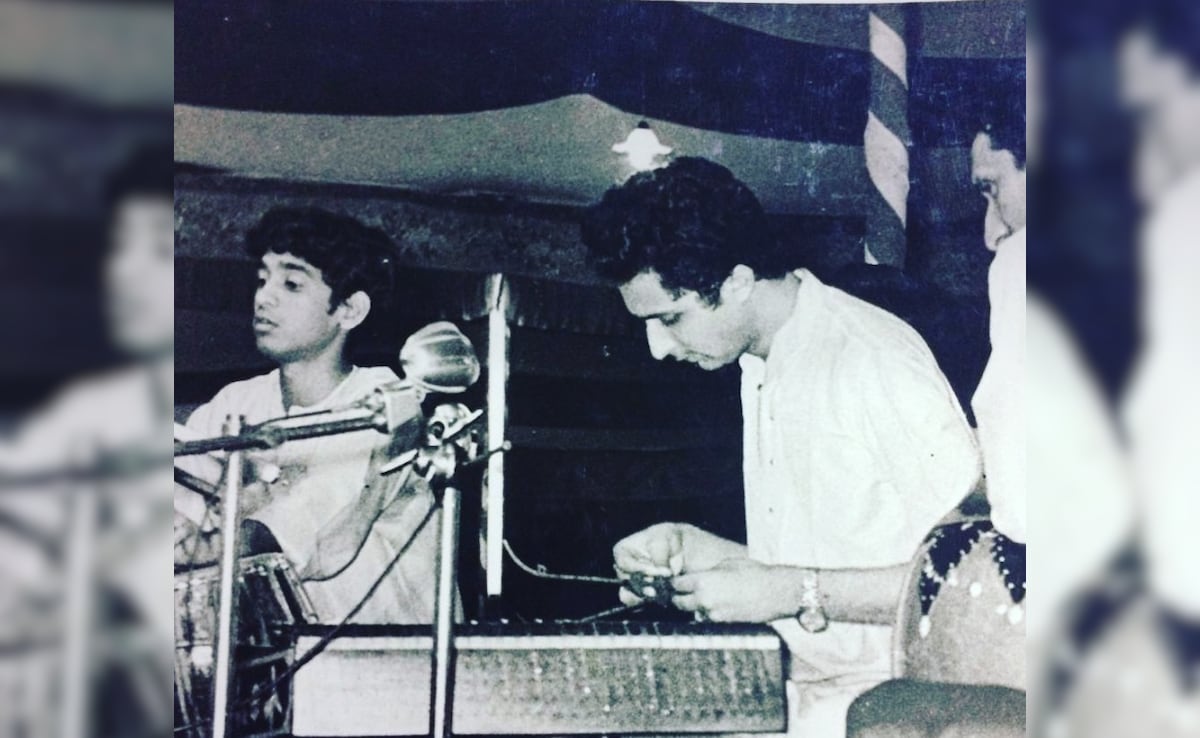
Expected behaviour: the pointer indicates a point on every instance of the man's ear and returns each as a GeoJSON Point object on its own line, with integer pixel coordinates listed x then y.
{"type": "Point", "coordinates": [738, 285]}
{"type": "Point", "coordinates": [354, 310]}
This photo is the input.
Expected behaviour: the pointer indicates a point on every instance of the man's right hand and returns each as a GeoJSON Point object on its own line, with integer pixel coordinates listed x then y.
{"type": "Point", "coordinates": [656, 551]}
{"type": "Point", "coordinates": [668, 550]}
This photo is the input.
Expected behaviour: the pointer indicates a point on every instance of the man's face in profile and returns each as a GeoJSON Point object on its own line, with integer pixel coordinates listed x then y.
{"type": "Point", "coordinates": [139, 276]}
{"type": "Point", "coordinates": [1160, 89]}
{"type": "Point", "coordinates": [683, 326]}
{"type": "Point", "coordinates": [1002, 184]}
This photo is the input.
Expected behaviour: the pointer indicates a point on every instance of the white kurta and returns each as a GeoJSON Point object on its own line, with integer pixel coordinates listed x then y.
{"type": "Point", "coordinates": [328, 475]}
{"type": "Point", "coordinates": [1163, 401]}
{"type": "Point", "coordinates": [999, 400]}
{"type": "Point", "coordinates": [1047, 439]}
{"type": "Point", "coordinates": [855, 446]}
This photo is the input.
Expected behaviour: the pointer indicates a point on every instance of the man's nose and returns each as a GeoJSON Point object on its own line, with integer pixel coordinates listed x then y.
{"type": "Point", "coordinates": [659, 339]}
{"type": "Point", "coordinates": [995, 229]}
{"type": "Point", "coordinates": [262, 297]}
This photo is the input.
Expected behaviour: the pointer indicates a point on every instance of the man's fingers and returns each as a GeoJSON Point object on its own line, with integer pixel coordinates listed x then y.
{"type": "Point", "coordinates": [629, 599]}
{"type": "Point", "coordinates": [656, 551]}
{"type": "Point", "coordinates": [629, 561]}
{"type": "Point", "coordinates": [685, 583]}
{"type": "Point", "coordinates": [687, 602]}
{"type": "Point", "coordinates": [675, 560]}
{"type": "Point", "coordinates": [665, 547]}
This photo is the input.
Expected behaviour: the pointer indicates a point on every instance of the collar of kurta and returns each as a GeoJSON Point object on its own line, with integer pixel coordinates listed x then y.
{"type": "Point", "coordinates": [790, 339]}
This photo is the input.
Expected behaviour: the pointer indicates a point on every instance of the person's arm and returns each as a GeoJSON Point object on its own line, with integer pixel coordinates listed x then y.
{"type": "Point", "coordinates": [716, 577]}
{"type": "Point", "coordinates": [338, 541]}
{"type": "Point", "coordinates": [744, 590]}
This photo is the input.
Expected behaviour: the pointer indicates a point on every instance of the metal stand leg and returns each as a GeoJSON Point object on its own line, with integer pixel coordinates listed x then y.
{"type": "Point", "coordinates": [229, 569]}
{"type": "Point", "coordinates": [443, 615]}
{"type": "Point", "coordinates": [79, 614]}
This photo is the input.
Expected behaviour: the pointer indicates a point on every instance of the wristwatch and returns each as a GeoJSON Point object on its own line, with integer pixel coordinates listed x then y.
{"type": "Point", "coordinates": [812, 612]}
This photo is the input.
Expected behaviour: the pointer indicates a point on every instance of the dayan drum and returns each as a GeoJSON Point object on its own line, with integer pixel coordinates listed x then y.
{"type": "Point", "coordinates": [962, 617]}
{"type": "Point", "coordinates": [270, 601]}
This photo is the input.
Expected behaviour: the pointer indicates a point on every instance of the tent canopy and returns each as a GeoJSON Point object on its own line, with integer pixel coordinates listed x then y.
{"type": "Point", "coordinates": [525, 99]}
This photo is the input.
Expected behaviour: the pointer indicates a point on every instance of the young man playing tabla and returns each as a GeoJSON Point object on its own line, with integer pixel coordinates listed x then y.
{"type": "Point", "coordinates": [338, 522]}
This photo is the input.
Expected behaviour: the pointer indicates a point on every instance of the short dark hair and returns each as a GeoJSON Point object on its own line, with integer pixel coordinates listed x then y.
{"type": "Point", "coordinates": [148, 170]}
{"type": "Point", "coordinates": [1175, 25]}
{"type": "Point", "coordinates": [1003, 120]}
{"type": "Point", "coordinates": [352, 257]}
{"type": "Point", "coordinates": [691, 222]}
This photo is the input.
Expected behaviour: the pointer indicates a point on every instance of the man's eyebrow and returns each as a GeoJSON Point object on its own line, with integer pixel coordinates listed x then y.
{"type": "Point", "coordinates": [296, 266]}
{"type": "Point", "coordinates": [656, 315]}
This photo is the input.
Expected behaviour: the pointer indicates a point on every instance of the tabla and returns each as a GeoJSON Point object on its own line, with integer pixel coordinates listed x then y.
{"type": "Point", "coordinates": [270, 601]}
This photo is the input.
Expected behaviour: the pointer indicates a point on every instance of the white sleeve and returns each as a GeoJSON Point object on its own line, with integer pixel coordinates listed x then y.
{"type": "Point", "coordinates": [921, 438]}
{"type": "Point", "coordinates": [880, 465]}
{"type": "Point", "coordinates": [999, 400]}
{"type": "Point", "coordinates": [1163, 401]}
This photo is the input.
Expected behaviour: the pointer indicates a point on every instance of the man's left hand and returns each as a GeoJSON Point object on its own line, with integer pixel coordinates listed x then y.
{"type": "Point", "coordinates": [736, 590]}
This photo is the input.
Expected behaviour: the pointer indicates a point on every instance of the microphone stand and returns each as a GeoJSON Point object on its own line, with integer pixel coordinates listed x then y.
{"type": "Point", "coordinates": [443, 467]}
{"type": "Point", "coordinates": [235, 441]}
{"type": "Point", "coordinates": [384, 410]}
{"type": "Point", "coordinates": [442, 697]}
{"type": "Point", "coordinates": [226, 611]}
{"type": "Point", "coordinates": [442, 459]}
{"type": "Point", "coordinates": [271, 433]}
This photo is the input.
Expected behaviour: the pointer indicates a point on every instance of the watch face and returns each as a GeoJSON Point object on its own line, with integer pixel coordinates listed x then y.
{"type": "Point", "coordinates": [813, 620]}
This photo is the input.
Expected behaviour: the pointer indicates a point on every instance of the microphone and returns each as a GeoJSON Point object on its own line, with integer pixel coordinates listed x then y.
{"type": "Point", "coordinates": [437, 358]}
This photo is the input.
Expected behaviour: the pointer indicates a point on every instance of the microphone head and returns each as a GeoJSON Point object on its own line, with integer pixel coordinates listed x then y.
{"type": "Point", "coordinates": [439, 358]}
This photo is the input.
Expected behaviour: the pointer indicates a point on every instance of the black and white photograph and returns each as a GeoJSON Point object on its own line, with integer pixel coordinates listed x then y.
{"type": "Point", "coordinates": [549, 368]}
{"type": "Point", "coordinates": [599, 368]}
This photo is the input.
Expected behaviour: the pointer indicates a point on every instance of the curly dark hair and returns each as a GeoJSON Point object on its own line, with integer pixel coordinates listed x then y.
{"type": "Point", "coordinates": [1008, 138]}
{"type": "Point", "coordinates": [1003, 120]}
{"type": "Point", "coordinates": [352, 257]}
{"type": "Point", "coordinates": [691, 222]}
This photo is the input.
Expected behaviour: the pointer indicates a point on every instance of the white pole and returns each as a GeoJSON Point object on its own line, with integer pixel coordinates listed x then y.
{"type": "Point", "coordinates": [443, 615]}
{"type": "Point", "coordinates": [227, 609]}
{"type": "Point", "coordinates": [497, 408]}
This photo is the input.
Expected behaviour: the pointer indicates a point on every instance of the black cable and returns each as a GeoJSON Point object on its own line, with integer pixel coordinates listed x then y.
{"type": "Point", "coordinates": [541, 573]}
{"type": "Point", "coordinates": [606, 613]}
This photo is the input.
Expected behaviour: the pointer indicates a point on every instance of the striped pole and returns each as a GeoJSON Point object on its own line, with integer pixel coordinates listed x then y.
{"type": "Point", "coordinates": [886, 139]}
